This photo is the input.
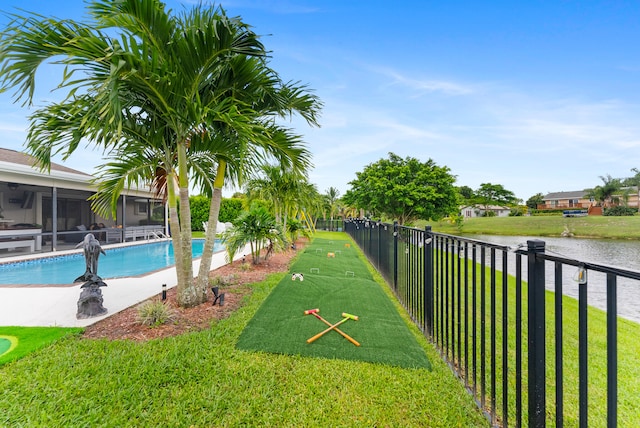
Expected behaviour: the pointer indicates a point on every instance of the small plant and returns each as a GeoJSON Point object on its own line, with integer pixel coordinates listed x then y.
{"type": "Point", "coordinates": [154, 313]}
{"type": "Point", "coordinates": [224, 280]}
{"type": "Point", "coordinates": [245, 267]}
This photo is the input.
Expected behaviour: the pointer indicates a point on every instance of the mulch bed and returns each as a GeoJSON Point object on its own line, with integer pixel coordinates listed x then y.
{"type": "Point", "coordinates": [126, 325]}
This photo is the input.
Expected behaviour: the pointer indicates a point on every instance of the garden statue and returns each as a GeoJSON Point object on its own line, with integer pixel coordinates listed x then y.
{"type": "Point", "coordinates": [92, 250]}
{"type": "Point", "coordinates": [90, 302]}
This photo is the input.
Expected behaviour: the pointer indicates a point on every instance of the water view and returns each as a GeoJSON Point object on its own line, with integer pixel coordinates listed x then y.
{"type": "Point", "coordinates": [616, 253]}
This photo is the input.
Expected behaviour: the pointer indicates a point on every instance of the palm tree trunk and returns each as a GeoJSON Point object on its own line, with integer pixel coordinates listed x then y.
{"type": "Point", "coordinates": [174, 224]}
{"type": "Point", "coordinates": [189, 296]}
{"type": "Point", "coordinates": [202, 283]}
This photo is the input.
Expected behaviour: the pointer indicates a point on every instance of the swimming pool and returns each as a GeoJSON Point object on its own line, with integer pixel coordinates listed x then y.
{"type": "Point", "coordinates": [117, 263]}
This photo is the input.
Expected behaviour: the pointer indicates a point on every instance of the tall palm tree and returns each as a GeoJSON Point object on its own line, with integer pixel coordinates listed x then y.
{"type": "Point", "coordinates": [606, 194]}
{"type": "Point", "coordinates": [332, 196]}
{"type": "Point", "coordinates": [280, 188]}
{"type": "Point", "coordinates": [173, 75]}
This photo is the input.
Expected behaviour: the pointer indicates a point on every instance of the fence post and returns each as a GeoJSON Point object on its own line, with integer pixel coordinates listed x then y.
{"type": "Point", "coordinates": [395, 255]}
{"type": "Point", "coordinates": [536, 321]}
{"type": "Point", "coordinates": [379, 244]}
{"type": "Point", "coordinates": [428, 281]}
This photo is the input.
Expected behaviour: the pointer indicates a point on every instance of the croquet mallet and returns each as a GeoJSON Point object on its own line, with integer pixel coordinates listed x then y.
{"type": "Point", "coordinates": [314, 312]}
{"type": "Point", "coordinates": [346, 317]}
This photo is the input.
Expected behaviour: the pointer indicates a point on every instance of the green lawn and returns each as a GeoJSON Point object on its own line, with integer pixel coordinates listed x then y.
{"type": "Point", "coordinates": [202, 380]}
{"type": "Point", "coordinates": [588, 226]}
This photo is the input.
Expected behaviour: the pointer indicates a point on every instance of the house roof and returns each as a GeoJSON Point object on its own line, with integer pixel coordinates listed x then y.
{"type": "Point", "coordinates": [574, 194]}
{"type": "Point", "coordinates": [20, 158]}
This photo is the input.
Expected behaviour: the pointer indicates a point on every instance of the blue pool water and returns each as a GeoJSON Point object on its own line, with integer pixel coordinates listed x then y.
{"type": "Point", "coordinates": [117, 263]}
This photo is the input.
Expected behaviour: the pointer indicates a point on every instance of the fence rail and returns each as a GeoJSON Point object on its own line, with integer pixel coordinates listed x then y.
{"type": "Point", "coordinates": [484, 306]}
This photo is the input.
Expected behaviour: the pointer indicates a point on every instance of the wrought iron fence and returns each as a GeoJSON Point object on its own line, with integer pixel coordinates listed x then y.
{"type": "Point", "coordinates": [327, 224]}
{"type": "Point", "coordinates": [484, 306]}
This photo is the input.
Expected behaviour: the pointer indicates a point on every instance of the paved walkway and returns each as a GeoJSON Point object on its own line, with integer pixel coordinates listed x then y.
{"type": "Point", "coordinates": [57, 306]}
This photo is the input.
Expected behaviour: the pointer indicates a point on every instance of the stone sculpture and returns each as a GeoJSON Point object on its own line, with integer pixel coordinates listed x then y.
{"type": "Point", "coordinates": [90, 302]}
{"type": "Point", "coordinates": [92, 250]}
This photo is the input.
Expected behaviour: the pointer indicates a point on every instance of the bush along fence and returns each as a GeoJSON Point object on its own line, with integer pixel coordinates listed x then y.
{"type": "Point", "coordinates": [499, 317]}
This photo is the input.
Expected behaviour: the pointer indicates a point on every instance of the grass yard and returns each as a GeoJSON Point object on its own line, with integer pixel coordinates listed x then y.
{"type": "Point", "coordinates": [201, 379]}
{"type": "Point", "coordinates": [628, 350]}
{"type": "Point", "coordinates": [585, 227]}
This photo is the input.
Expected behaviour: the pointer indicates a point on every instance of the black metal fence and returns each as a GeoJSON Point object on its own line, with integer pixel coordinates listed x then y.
{"type": "Point", "coordinates": [328, 224]}
{"type": "Point", "coordinates": [487, 310]}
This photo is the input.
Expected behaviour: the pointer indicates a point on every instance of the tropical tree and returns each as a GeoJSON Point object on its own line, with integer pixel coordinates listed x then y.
{"type": "Point", "coordinates": [332, 201]}
{"type": "Point", "coordinates": [164, 96]}
{"type": "Point", "coordinates": [632, 181]}
{"type": "Point", "coordinates": [605, 194]}
{"type": "Point", "coordinates": [404, 189]}
{"type": "Point", "coordinates": [295, 228]}
{"type": "Point", "coordinates": [286, 192]}
{"type": "Point", "coordinates": [257, 228]}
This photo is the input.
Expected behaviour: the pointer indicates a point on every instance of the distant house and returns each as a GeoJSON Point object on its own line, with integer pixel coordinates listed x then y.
{"type": "Point", "coordinates": [564, 200]}
{"type": "Point", "coordinates": [470, 211]}
{"type": "Point", "coordinates": [578, 199]}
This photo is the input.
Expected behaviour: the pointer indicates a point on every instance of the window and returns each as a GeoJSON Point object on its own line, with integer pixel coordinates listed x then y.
{"type": "Point", "coordinates": [141, 208]}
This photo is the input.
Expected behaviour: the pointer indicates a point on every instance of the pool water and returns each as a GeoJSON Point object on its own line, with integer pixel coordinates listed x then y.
{"type": "Point", "coordinates": [117, 263]}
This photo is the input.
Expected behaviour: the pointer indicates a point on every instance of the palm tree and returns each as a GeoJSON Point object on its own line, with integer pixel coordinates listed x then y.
{"type": "Point", "coordinates": [157, 96]}
{"type": "Point", "coordinates": [256, 227]}
{"type": "Point", "coordinates": [606, 193]}
{"type": "Point", "coordinates": [283, 191]}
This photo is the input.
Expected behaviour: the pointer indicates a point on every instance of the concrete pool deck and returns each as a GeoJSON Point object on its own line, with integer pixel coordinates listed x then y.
{"type": "Point", "coordinates": [34, 306]}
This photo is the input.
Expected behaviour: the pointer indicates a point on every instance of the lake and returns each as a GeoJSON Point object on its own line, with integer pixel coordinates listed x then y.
{"type": "Point", "coordinates": [616, 253]}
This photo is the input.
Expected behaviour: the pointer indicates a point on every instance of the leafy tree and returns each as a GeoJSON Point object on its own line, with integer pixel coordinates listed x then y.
{"type": "Point", "coordinates": [404, 189]}
{"type": "Point", "coordinates": [466, 193]}
{"type": "Point", "coordinates": [494, 194]}
{"type": "Point", "coordinates": [535, 200]}
{"type": "Point", "coordinates": [168, 97]}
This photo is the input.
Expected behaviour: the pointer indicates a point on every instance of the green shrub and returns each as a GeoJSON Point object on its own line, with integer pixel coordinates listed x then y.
{"type": "Point", "coordinates": [230, 209]}
{"type": "Point", "coordinates": [154, 313]}
{"type": "Point", "coordinates": [620, 211]}
{"type": "Point", "coordinates": [199, 211]}
{"type": "Point", "coordinates": [558, 212]}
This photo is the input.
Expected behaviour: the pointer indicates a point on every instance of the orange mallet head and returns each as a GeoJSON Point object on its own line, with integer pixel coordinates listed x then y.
{"type": "Point", "coordinates": [311, 311]}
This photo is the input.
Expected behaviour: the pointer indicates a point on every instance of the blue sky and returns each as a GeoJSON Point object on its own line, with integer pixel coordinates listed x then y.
{"type": "Point", "coordinates": [539, 96]}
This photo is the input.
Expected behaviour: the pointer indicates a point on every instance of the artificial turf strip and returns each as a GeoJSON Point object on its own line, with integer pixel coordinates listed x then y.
{"type": "Point", "coordinates": [333, 285]}
{"type": "Point", "coordinates": [25, 340]}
